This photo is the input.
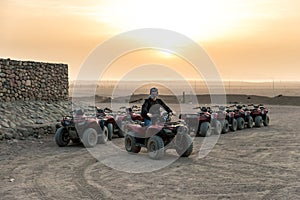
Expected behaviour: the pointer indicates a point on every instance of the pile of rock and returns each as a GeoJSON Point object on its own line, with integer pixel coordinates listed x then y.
{"type": "Point", "coordinates": [27, 80]}
{"type": "Point", "coordinates": [22, 119]}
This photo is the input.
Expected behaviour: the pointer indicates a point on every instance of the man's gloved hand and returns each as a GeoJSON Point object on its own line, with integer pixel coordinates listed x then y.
{"type": "Point", "coordinates": [172, 113]}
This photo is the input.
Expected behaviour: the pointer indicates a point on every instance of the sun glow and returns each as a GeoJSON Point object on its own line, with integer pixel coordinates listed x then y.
{"type": "Point", "coordinates": [200, 20]}
{"type": "Point", "coordinates": [166, 54]}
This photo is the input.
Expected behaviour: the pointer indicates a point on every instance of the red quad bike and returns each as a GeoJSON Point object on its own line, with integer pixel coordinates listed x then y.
{"type": "Point", "coordinates": [230, 117]}
{"type": "Point", "coordinates": [158, 137]}
{"type": "Point", "coordinates": [242, 116]}
{"type": "Point", "coordinates": [132, 114]}
{"type": "Point", "coordinates": [108, 119]}
{"type": "Point", "coordinates": [246, 114]}
{"type": "Point", "coordinates": [201, 122]}
{"type": "Point", "coordinates": [80, 128]}
{"type": "Point", "coordinates": [260, 115]}
{"type": "Point", "coordinates": [226, 119]}
{"type": "Point", "coordinates": [123, 118]}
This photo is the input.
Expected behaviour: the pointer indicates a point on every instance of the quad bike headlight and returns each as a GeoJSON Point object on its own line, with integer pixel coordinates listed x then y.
{"type": "Point", "coordinates": [182, 130]}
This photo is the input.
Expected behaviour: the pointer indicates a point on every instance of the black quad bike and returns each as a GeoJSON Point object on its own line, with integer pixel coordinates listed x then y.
{"type": "Point", "coordinates": [158, 137]}
{"type": "Point", "coordinates": [80, 128]}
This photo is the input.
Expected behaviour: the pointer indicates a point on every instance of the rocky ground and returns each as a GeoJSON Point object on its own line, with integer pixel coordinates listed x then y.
{"type": "Point", "coordinates": [257, 163]}
{"type": "Point", "coordinates": [22, 119]}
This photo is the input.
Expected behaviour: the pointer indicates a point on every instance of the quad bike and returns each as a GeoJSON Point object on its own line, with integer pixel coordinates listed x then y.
{"type": "Point", "coordinates": [230, 116]}
{"type": "Point", "coordinates": [131, 114]}
{"type": "Point", "coordinates": [158, 137]}
{"type": "Point", "coordinates": [80, 128]}
{"type": "Point", "coordinates": [108, 119]}
{"type": "Point", "coordinates": [242, 116]}
{"type": "Point", "coordinates": [260, 115]}
{"type": "Point", "coordinates": [202, 123]}
{"type": "Point", "coordinates": [226, 119]}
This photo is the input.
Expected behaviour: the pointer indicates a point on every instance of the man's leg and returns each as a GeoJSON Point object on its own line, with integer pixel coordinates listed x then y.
{"type": "Point", "coordinates": [148, 122]}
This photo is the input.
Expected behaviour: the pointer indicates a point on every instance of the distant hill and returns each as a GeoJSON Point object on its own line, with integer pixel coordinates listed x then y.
{"type": "Point", "coordinates": [206, 99]}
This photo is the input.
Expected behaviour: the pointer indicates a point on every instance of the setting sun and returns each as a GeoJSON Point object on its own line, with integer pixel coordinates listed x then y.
{"type": "Point", "coordinates": [261, 35]}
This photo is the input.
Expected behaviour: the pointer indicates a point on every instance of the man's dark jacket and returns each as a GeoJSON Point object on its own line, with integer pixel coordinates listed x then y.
{"type": "Point", "coordinates": [152, 106]}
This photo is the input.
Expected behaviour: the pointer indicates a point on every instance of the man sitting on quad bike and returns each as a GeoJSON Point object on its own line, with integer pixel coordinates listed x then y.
{"type": "Point", "coordinates": [152, 105]}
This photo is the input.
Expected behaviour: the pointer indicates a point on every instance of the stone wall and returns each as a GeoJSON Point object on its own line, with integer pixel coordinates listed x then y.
{"type": "Point", "coordinates": [28, 80]}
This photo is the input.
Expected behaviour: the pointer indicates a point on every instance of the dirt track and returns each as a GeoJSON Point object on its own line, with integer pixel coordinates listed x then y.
{"type": "Point", "coordinates": [258, 163]}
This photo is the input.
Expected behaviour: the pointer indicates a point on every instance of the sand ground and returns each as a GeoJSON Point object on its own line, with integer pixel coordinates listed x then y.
{"type": "Point", "coordinates": [257, 163]}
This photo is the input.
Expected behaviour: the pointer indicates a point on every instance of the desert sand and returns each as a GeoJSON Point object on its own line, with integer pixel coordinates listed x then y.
{"type": "Point", "coordinates": [257, 163]}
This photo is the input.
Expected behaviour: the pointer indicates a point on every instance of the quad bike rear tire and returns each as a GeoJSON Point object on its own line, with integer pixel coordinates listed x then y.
{"type": "Point", "coordinates": [110, 129]}
{"type": "Point", "coordinates": [62, 138]}
{"type": "Point", "coordinates": [217, 127]}
{"type": "Point", "coordinates": [130, 144]}
{"type": "Point", "coordinates": [240, 123]}
{"type": "Point", "coordinates": [155, 147]}
{"type": "Point", "coordinates": [103, 138]}
{"type": "Point", "coordinates": [258, 121]}
{"type": "Point", "coordinates": [90, 137]}
{"type": "Point", "coordinates": [233, 126]}
{"type": "Point", "coordinates": [225, 128]}
{"type": "Point", "coordinates": [205, 129]}
{"type": "Point", "coordinates": [183, 145]}
{"type": "Point", "coordinates": [267, 121]}
{"type": "Point", "coordinates": [250, 122]}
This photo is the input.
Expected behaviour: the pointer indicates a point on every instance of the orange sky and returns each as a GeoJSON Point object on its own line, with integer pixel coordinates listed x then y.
{"type": "Point", "coordinates": [247, 40]}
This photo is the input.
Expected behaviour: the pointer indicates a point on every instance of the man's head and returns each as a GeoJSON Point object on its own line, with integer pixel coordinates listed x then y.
{"type": "Point", "coordinates": [153, 93]}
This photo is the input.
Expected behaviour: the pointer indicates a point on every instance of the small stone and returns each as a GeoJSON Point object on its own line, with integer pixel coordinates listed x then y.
{"type": "Point", "coordinates": [28, 83]}
{"type": "Point", "coordinates": [8, 136]}
{"type": "Point", "coordinates": [39, 121]}
{"type": "Point", "coordinates": [4, 124]}
{"type": "Point", "coordinates": [12, 125]}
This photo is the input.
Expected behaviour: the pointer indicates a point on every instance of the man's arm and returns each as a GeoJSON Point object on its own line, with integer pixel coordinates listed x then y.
{"type": "Point", "coordinates": [165, 106]}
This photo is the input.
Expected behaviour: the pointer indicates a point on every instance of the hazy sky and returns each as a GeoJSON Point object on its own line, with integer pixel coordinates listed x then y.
{"type": "Point", "coordinates": [246, 39]}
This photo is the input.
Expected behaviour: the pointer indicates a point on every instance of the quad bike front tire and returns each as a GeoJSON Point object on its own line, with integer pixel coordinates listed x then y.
{"type": "Point", "coordinates": [205, 129]}
{"type": "Point", "coordinates": [240, 123]}
{"type": "Point", "coordinates": [217, 127]}
{"type": "Point", "coordinates": [110, 129]}
{"type": "Point", "coordinates": [183, 145]}
{"type": "Point", "coordinates": [130, 144]}
{"type": "Point", "coordinates": [90, 137]}
{"type": "Point", "coordinates": [155, 147]}
{"type": "Point", "coordinates": [62, 138]}
{"type": "Point", "coordinates": [250, 122]}
{"type": "Point", "coordinates": [121, 132]}
{"type": "Point", "coordinates": [267, 121]}
{"type": "Point", "coordinates": [225, 128]}
{"type": "Point", "coordinates": [103, 138]}
{"type": "Point", "coordinates": [233, 126]}
{"type": "Point", "coordinates": [258, 121]}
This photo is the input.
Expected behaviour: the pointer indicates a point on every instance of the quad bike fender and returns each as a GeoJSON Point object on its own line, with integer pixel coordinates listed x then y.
{"type": "Point", "coordinates": [110, 120]}
{"type": "Point", "coordinates": [135, 134]}
{"type": "Point", "coordinates": [153, 130]}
